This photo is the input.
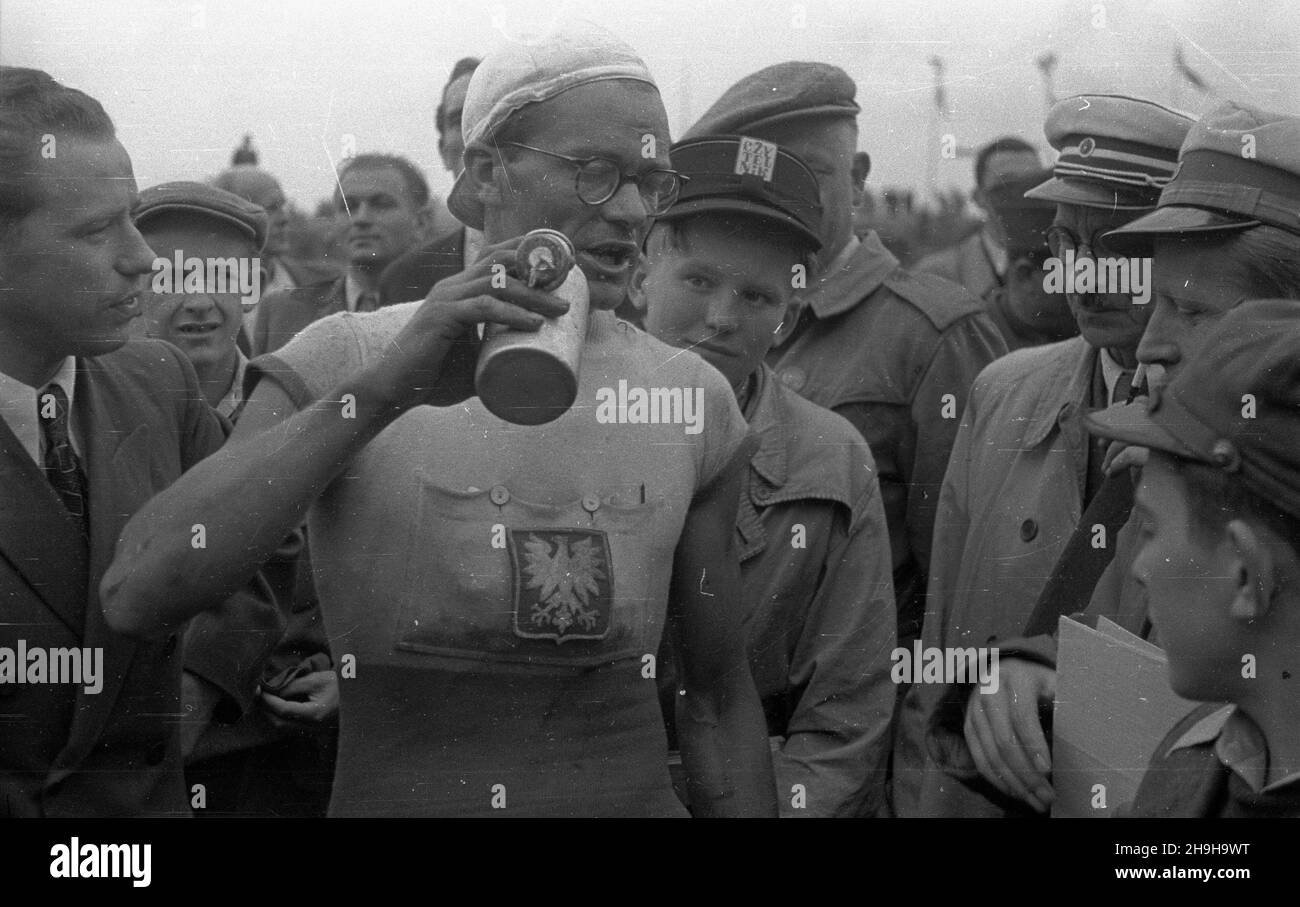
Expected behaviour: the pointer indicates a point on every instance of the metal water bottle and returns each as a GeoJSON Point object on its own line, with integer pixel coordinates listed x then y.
{"type": "Point", "coordinates": [530, 378]}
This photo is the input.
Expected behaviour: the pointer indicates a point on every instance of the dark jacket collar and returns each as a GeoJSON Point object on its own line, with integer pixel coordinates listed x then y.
{"type": "Point", "coordinates": [867, 268]}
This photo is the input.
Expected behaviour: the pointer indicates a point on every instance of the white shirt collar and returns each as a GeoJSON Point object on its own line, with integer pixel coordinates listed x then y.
{"type": "Point", "coordinates": [235, 395]}
{"type": "Point", "coordinates": [20, 408]}
{"type": "Point", "coordinates": [997, 254]}
{"type": "Point", "coordinates": [473, 245]}
{"type": "Point", "coordinates": [1110, 372]}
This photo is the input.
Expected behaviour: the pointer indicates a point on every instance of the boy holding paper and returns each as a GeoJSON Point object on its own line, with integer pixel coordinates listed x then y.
{"type": "Point", "coordinates": [1220, 563]}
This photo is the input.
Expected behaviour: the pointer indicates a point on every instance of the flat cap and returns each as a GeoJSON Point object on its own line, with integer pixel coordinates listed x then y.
{"type": "Point", "coordinates": [1238, 168]}
{"type": "Point", "coordinates": [1115, 152]}
{"type": "Point", "coordinates": [518, 74]}
{"type": "Point", "coordinates": [1200, 416]}
{"type": "Point", "coordinates": [777, 94]}
{"type": "Point", "coordinates": [743, 175]}
{"type": "Point", "coordinates": [202, 200]}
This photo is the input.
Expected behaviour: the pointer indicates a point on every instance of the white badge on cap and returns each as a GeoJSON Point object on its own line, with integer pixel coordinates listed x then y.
{"type": "Point", "coordinates": [756, 157]}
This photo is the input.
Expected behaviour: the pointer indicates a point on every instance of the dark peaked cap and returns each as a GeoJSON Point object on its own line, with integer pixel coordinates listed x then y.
{"type": "Point", "coordinates": [779, 93]}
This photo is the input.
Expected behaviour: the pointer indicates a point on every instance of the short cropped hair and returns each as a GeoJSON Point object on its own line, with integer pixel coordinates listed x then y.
{"type": "Point", "coordinates": [1216, 496]}
{"type": "Point", "coordinates": [32, 106]}
{"type": "Point", "coordinates": [1004, 145]}
{"type": "Point", "coordinates": [417, 188]}
{"type": "Point", "coordinates": [465, 65]}
{"type": "Point", "coordinates": [1267, 257]}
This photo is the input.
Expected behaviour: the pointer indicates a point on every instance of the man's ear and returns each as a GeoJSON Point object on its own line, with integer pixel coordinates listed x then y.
{"type": "Point", "coordinates": [1253, 571]}
{"type": "Point", "coordinates": [483, 170]}
{"type": "Point", "coordinates": [861, 168]}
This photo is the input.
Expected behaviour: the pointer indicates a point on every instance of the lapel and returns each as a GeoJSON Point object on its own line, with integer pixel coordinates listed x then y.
{"type": "Point", "coordinates": [37, 537]}
{"type": "Point", "coordinates": [118, 469]}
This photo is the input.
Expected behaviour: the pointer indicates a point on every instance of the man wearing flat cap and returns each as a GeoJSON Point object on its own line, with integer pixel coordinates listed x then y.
{"type": "Point", "coordinates": [189, 224]}
{"type": "Point", "coordinates": [500, 589]}
{"type": "Point", "coordinates": [893, 352]}
{"type": "Point", "coordinates": [1221, 233]}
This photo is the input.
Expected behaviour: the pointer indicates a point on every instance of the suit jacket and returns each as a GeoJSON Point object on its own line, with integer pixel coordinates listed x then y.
{"type": "Point", "coordinates": [65, 751]}
{"type": "Point", "coordinates": [967, 263]}
{"type": "Point", "coordinates": [413, 274]}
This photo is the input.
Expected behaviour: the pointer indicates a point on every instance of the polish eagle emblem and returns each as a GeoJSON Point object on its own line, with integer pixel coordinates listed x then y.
{"type": "Point", "coordinates": [561, 584]}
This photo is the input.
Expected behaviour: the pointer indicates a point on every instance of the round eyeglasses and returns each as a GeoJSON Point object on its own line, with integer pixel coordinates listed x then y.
{"type": "Point", "coordinates": [598, 179]}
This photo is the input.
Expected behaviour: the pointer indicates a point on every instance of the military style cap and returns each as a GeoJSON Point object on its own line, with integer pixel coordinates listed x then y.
{"type": "Point", "coordinates": [1239, 167]}
{"type": "Point", "coordinates": [205, 201]}
{"type": "Point", "coordinates": [779, 93]}
{"type": "Point", "coordinates": [1025, 220]}
{"type": "Point", "coordinates": [518, 74]}
{"type": "Point", "coordinates": [1116, 152]}
{"type": "Point", "coordinates": [743, 175]}
{"type": "Point", "coordinates": [1254, 349]}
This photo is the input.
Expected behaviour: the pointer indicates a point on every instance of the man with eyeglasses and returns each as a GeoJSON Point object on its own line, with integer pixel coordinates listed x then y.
{"type": "Point", "coordinates": [1022, 470]}
{"type": "Point", "coordinates": [495, 593]}
{"type": "Point", "coordinates": [1226, 230]}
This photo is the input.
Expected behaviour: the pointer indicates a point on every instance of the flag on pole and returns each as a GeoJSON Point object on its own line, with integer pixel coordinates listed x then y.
{"type": "Point", "coordinates": [1046, 63]}
{"type": "Point", "coordinates": [940, 89]}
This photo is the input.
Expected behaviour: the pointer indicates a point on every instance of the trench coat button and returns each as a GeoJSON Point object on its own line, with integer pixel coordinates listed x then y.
{"type": "Point", "coordinates": [763, 493]}
{"type": "Point", "coordinates": [499, 495]}
{"type": "Point", "coordinates": [1028, 530]}
{"type": "Point", "coordinates": [156, 754]}
{"type": "Point", "coordinates": [590, 503]}
{"type": "Point", "coordinates": [794, 378]}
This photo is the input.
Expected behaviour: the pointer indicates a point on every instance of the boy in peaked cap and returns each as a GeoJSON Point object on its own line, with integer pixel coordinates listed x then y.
{"type": "Point", "coordinates": [717, 278]}
{"type": "Point", "coordinates": [893, 352]}
{"type": "Point", "coordinates": [1023, 473]}
{"type": "Point", "coordinates": [1220, 565]}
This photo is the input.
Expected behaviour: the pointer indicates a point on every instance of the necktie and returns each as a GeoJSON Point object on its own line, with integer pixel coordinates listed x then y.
{"type": "Point", "coordinates": [62, 469]}
{"type": "Point", "coordinates": [1074, 577]}
{"type": "Point", "coordinates": [1122, 387]}
{"type": "Point", "coordinates": [368, 301]}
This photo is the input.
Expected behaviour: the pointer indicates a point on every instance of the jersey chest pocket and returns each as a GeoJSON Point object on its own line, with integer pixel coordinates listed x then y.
{"type": "Point", "coordinates": [493, 577]}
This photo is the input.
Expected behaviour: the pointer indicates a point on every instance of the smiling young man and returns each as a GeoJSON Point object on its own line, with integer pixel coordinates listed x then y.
{"type": "Point", "coordinates": [499, 590]}
{"type": "Point", "coordinates": [91, 425]}
{"type": "Point", "coordinates": [189, 222]}
{"type": "Point", "coordinates": [717, 279]}
{"type": "Point", "coordinates": [1219, 563]}
{"type": "Point", "coordinates": [383, 202]}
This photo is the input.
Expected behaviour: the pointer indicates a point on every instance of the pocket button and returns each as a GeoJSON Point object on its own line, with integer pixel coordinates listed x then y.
{"type": "Point", "coordinates": [1028, 530]}
{"type": "Point", "coordinates": [590, 503]}
{"type": "Point", "coordinates": [499, 495]}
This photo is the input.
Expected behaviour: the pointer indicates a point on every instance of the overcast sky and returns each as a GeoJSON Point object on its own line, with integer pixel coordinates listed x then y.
{"type": "Point", "coordinates": [185, 80]}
